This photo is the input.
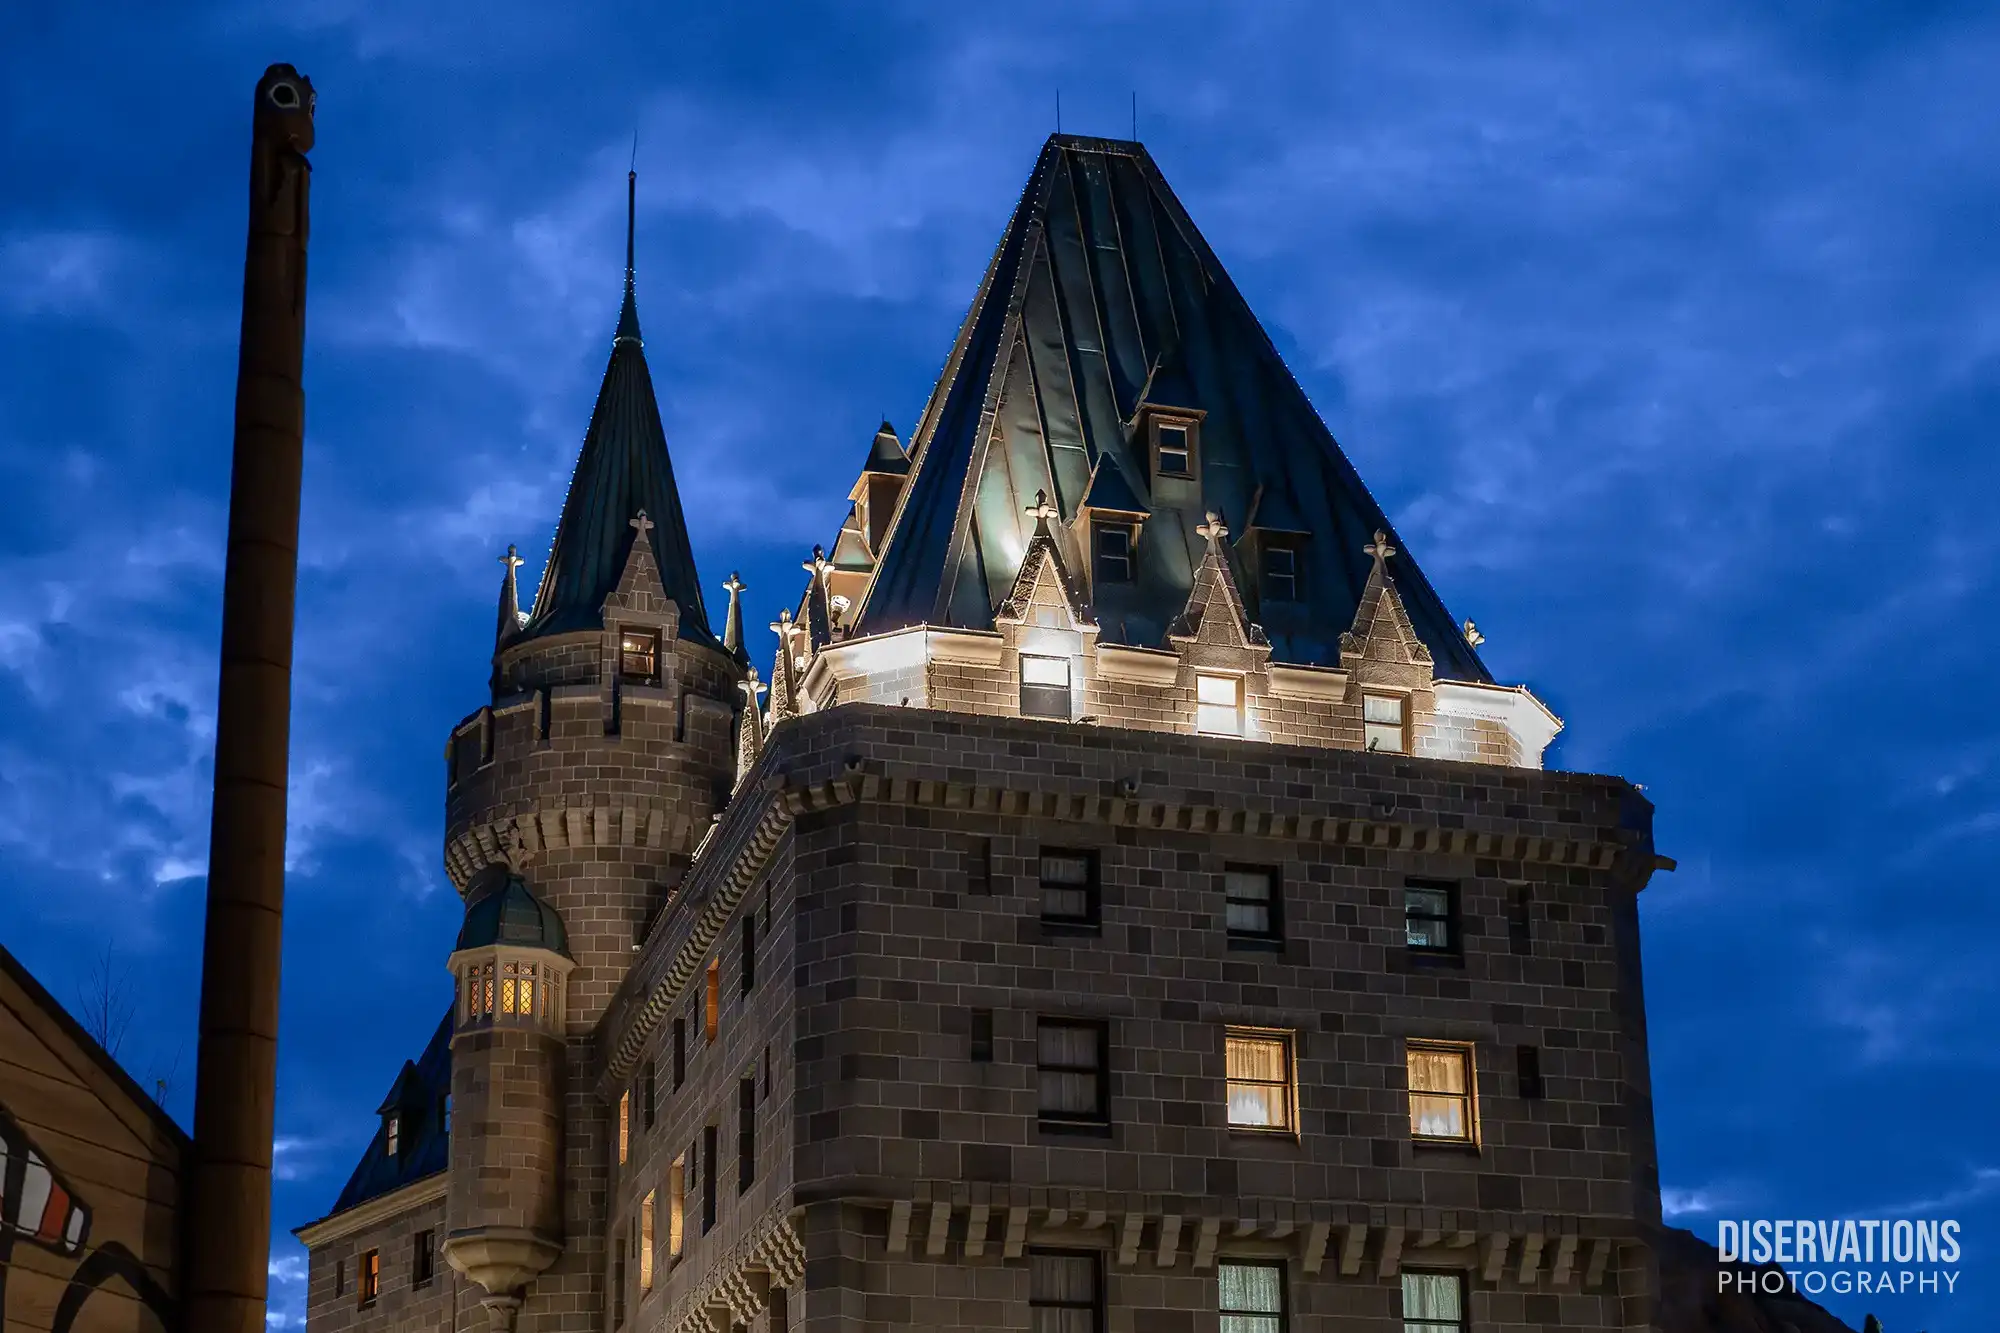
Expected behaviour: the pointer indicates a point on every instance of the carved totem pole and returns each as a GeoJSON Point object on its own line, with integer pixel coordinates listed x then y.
{"type": "Point", "coordinates": [229, 1221]}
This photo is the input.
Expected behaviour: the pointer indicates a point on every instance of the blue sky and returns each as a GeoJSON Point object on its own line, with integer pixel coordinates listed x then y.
{"type": "Point", "coordinates": [1669, 336]}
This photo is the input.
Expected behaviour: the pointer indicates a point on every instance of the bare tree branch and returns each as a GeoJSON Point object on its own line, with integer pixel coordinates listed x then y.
{"type": "Point", "coordinates": [105, 1003]}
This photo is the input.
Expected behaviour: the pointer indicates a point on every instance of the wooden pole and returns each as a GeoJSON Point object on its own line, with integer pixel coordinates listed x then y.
{"type": "Point", "coordinates": [228, 1236]}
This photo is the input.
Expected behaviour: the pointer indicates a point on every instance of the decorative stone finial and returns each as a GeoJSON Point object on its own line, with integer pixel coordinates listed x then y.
{"type": "Point", "coordinates": [1214, 530]}
{"type": "Point", "coordinates": [512, 560]}
{"type": "Point", "coordinates": [1042, 511]}
{"type": "Point", "coordinates": [734, 584]}
{"type": "Point", "coordinates": [784, 626]}
{"type": "Point", "coordinates": [1472, 634]}
{"type": "Point", "coordinates": [819, 564]}
{"type": "Point", "coordinates": [642, 523]}
{"type": "Point", "coordinates": [1380, 548]}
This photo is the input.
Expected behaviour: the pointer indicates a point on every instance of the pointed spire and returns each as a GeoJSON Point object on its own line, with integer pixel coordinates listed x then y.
{"type": "Point", "coordinates": [784, 672]}
{"type": "Point", "coordinates": [819, 615]}
{"type": "Point", "coordinates": [628, 316]}
{"type": "Point", "coordinates": [1382, 630]}
{"type": "Point", "coordinates": [732, 624]}
{"type": "Point", "coordinates": [750, 726]}
{"type": "Point", "coordinates": [510, 601]}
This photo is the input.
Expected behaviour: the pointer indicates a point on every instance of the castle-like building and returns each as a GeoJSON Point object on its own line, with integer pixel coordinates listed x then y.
{"type": "Point", "coordinates": [1127, 904]}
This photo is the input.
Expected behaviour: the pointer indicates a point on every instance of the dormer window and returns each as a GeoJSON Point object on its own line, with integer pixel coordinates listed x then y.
{"type": "Point", "coordinates": [639, 656]}
{"type": "Point", "coordinates": [1045, 687]}
{"type": "Point", "coordinates": [1218, 705]}
{"type": "Point", "coordinates": [1385, 723]}
{"type": "Point", "coordinates": [392, 1133]}
{"type": "Point", "coordinates": [1173, 449]}
{"type": "Point", "coordinates": [1281, 571]}
{"type": "Point", "coordinates": [1113, 543]}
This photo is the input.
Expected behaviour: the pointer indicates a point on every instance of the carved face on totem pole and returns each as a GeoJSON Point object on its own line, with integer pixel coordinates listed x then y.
{"type": "Point", "coordinates": [285, 109]}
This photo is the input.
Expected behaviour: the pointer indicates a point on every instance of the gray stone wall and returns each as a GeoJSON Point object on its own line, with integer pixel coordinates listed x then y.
{"type": "Point", "coordinates": [401, 1305]}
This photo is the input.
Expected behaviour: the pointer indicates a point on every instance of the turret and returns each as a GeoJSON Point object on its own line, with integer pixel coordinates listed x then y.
{"type": "Point", "coordinates": [504, 1215]}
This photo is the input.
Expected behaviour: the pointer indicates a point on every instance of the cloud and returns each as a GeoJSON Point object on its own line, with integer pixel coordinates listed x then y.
{"type": "Point", "coordinates": [1677, 1203]}
{"type": "Point", "coordinates": [67, 274]}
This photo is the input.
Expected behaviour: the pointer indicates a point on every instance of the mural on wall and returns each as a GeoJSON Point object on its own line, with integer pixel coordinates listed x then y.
{"type": "Point", "coordinates": [38, 1207]}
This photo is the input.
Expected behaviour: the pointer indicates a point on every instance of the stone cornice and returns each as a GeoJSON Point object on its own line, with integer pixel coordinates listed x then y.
{"type": "Point", "coordinates": [373, 1212]}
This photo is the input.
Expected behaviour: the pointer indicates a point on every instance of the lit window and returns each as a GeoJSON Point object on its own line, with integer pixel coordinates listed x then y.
{"type": "Point", "coordinates": [639, 656]}
{"type": "Point", "coordinates": [1069, 888]}
{"type": "Point", "coordinates": [1259, 1072]}
{"type": "Point", "coordinates": [711, 1016]}
{"type": "Point", "coordinates": [1281, 574]}
{"type": "Point", "coordinates": [1251, 1297]}
{"type": "Point", "coordinates": [1433, 1302]}
{"type": "Point", "coordinates": [1427, 918]}
{"type": "Point", "coordinates": [1045, 687]}
{"type": "Point", "coordinates": [1250, 904]}
{"type": "Point", "coordinates": [371, 1277]}
{"type": "Point", "coordinates": [676, 1206]}
{"type": "Point", "coordinates": [1218, 705]}
{"type": "Point", "coordinates": [1114, 553]}
{"type": "Point", "coordinates": [423, 1258]}
{"type": "Point", "coordinates": [1441, 1092]}
{"type": "Point", "coordinates": [646, 1209]}
{"type": "Point", "coordinates": [1176, 451]}
{"type": "Point", "coordinates": [392, 1133]}
{"type": "Point", "coordinates": [624, 1126]}
{"type": "Point", "coordinates": [1069, 1063]}
{"type": "Point", "coordinates": [517, 989]}
{"type": "Point", "coordinates": [1064, 1293]}
{"type": "Point", "coordinates": [1382, 723]}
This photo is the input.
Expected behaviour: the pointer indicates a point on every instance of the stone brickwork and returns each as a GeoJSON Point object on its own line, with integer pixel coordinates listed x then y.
{"type": "Point", "coordinates": [443, 1304]}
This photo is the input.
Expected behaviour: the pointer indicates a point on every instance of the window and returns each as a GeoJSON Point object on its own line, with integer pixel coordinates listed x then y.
{"type": "Point", "coordinates": [1174, 446]}
{"type": "Point", "coordinates": [1433, 1302]}
{"type": "Point", "coordinates": [370, 1274]}
{"type": "Point", "coordinates": [749, 933]}
{"type": "Point", "coordinates": [1250, 905]}
{"type": "Point", "coordinates": [340, 1277]}
{"type": "Point", "coordinates": [423, 1258]}
{"type": "Point", "coordinates": [676, 1206]}
{"type": "Point", "coordinates": [1114, 553]}
{"type": "Point", "coordinates": [767, 1072]}
{"type": "Point", "coordinates": [639, 656]}
{"type": "Point", "coordinates": [649, 1099]}
{"type": "Point", "coordinates": [517, 989]}
{"type": "Point", "coordinates": [392, 1133]}
{"type": "Point", "coordinates": [647, 1209]}
{"type": "Point", "coordinates": [708, 1145]}
{"type": "Point", "coordinates": [1065, 1291]}
{"type": "Point", "coordinates": [1528, 1071]}
{"type": "Point", "coordinates": [1428, 913]}
{"type": "Point", "coordinates": [1069, 1064]}
{"type": "Point", "coordinates": [1281, 571]}
{"type": "Point", "coordinates": [711, 1012]}
{"type": "Point", "coordinates": [1069, 888]}
{"type": "Point", "coordinates": [746, 1134]}
{"type": "Point", "coordinates": [982, 1036]}
{"type": "Point", "coordinates": [680, 1052]}
{"type": "Point", "coordinates": [1441, 1092]}
{"type": "Point", "coordinates": [479, 991]}
{"type": "Point", "coordinates": [1251, 1297]}
{"type": "Point", "coordinates": [1382, 724]}
{"type": "Point", "coordinates": [1045, 687]}
{"type": "Point", "coordinates": [624, 1126]}
{"type": "Point", "coordinates": [1218, 705]}
{"type": "Point", "coordinates": [1258, 1069]}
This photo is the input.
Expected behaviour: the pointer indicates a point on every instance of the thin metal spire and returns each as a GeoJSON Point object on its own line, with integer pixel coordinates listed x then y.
{"type": "Point", "coordinates": [628, 316]}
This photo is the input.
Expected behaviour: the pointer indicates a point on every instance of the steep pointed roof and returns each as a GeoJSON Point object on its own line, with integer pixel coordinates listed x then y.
{"type": "Point", "coordinates": [885, 453]}
{"type": "Point", "coordinates": [1103, 299]}
{"type": "Point", "coordinates": [622, 469]}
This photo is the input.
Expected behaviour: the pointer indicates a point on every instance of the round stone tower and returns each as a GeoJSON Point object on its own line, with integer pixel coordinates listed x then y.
{"type": "Point", "coordinates": [596, 769]}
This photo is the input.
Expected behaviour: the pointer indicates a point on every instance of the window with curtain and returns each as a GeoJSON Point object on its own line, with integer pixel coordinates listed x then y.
{"type": "Point", "coordinates": [1069, 1061]}
{"type": "Point", "coordinates": [1382, 723]}
{"type": "Point", "coordinates": [1428, 911]}
{"type": "Point", "coordinates": [1065, 1291]}
{"type": "Point", "coordinates": [1250, 1297]}
{"type": "Point", "coordinates": [1441, 1092]}
{"type": "Point", "coordinates": [1259, 1072]}
{"type": "Point", "coordinates": [1433, 1302]}
{"type": "Point", "coordinates": [1250, 904]}
{"type": "Point", "coordinates": [1069, 888]}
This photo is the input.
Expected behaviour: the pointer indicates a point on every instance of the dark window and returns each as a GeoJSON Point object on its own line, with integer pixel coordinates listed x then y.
{"type": "Point", "coordinates": [1430, 922]}
{"type": "Point", "coordinates": [1518, 920]}
{"type": "Point", "coordinates": [979, 866]}
{"type": "Point", "coordinates": [1176, 446]}
{"type": "Point", "coordinates": [1251, 1297]}
{"type": "Point", "coordinates": [340, 1277]}
{"type": "Point", "coordinates": [767, 1071]}
{"type": "Point", "coordinates": [1114, 553]}
{"type": "Point", "coordinates": [1070, 1059]}
{"type": "Point", "coordinates": [680, 1052]}
{"type": "Point", "coordinates": [639, 656]}
{"type": "Point", "coordinates": [708, 1147]}
{"type": "Point", "coordinates": [1433, 1302]}
{"type": "Point", "coordinates": [370, 1273]}
{"type": "Point", "coordinates": [746, 1133]}
{"type": "Point", "coordinates": [1281, 572]}
{"type": "Point", "coordinates": [1250, 905]}
{"type": "Point", "coordinates": [1528, 1067]}
{"type": "Point", "coordinates": [423, 1258]}
{"type": "Point", "coordinates": [649, 1093]}
{"type": "Point", "coordinates": [1045, 687]}
{"type": "Point", "coordinates": [749, 951]}
{"type": "Point", "coordinates": [1069, 888]}
{"type": "Point", "coordinates": [1065, 1291]}
{"type": "Point", "coordinates": [982, 1036]}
